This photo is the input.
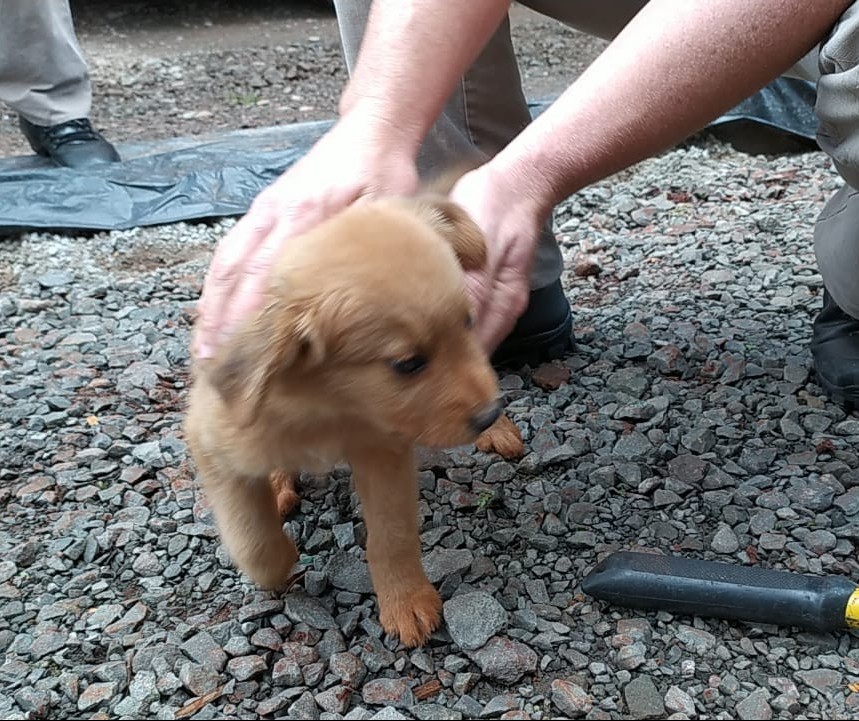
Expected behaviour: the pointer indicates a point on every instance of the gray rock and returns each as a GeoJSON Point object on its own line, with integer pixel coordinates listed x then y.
{"type": "Point", "coordinates": [725, 540]}
{"type": "Point", "coordinates": [280, 701]}
{"type": "Point", "coordinates": [632, 656]}
{"type": "Point", "coordinates": [348, 668]}
{"type": "Point", "coordinates": [334, 700]}
{"type": "Point", "coordinates": [468, 706]}
{"type": "Point", "coordinates": [678, 701]}
{"type": "Point", "coordinates": [499, 472]}
{"type": "Point", "coordinates": [814, 496]}
{"type": "Point", "coordinates": [301, 608]}
{"type": "Point", "coordinates": [287, 669]}
{"type": "Point", "coordinates": [473, 618]}
{"type": "Point", "coordinates": [643, 699]}
{"type": "Point", "coordinates": [199, 680]}
{"type": "Point", "coordinates": [757, 460]}
{"type": "Point", "coordinates": [755, 706]}
{"type": "Point", "coordinates": [388, 692]}
{"type": "Point", "coordinates": [821, 679]}
{"type": "Point", "coordinates": [143, 688]}
{"type": "Point", "coordinates": [95, 695]}
{"type": "Point", "coordinates": [55, 278]}
{"type": "Point", "coordinates": [630, 381]}
{"type": "Point", "coordinates": [696, 640]}
{"type": "Point", "coordinates": [699, 440]}
{"type": "Point", "coordinates": [243, 668]}
{"type": "Point", "coordinates": [206, 651]}
{"type": "Point", "coordinates": [849, 502]}
{"type": "Point", "coordinates": [570, 698]}
{"type": "Point", "coordinates": [434, 712]}
{"type": "Point", "coordinates": [688, 468]}
{"type": "Point", "coordinates": [633, 447]}
{"type": "Point", "coordinates": [347, 573]}
{"type": "Point", "coordinates": [504, 660]}
{"type": "Point", "coordinates": [443, 562]}
{"type": "Point", "coordinates": [259, 609]}
{"type": "Point", "coordinates": [47, 643]}
{"type": "Point", "coordinates": [34, 703]}
{"type": "Point", "coordinates": [344, 534]}
{"type": "Point", "coordinates": [306, 707]}
{"type": "Point", "coordinates": [820, 541]}
{"type": "Point", "coordinates": [7, 570]}
{"type": "Point", "coordinates": [389, 712]}
{"type": "Point", "coordinates": [499, 705]}
{"type": "Point", "coordinates": [147, 564]}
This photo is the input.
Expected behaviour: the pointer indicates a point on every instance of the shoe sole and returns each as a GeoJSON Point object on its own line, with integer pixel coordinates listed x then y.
{"type": "Point", "coordinates": [847, 398]}
{"type": "Point", "coordinates": [536, 349]}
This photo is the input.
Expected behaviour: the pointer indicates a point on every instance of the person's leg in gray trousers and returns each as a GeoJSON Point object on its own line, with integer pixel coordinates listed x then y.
{"type": "Point", "coordinates": [44, 78]}
{"type": "Point", "coordinates": [836, 235]}
{"type": "Point", "coordinates": [43, 74]}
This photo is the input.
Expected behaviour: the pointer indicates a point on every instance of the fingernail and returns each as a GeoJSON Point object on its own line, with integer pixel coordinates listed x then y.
{"type": "Point", "coordinates": [204, 350]}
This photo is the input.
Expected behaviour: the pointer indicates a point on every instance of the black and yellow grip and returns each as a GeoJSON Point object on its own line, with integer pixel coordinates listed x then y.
{"type": "Point", "coordinates": [723, 590]}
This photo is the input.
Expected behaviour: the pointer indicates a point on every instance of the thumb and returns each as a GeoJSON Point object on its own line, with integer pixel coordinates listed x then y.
{"type": "Point", "coordinates": [231, 254]}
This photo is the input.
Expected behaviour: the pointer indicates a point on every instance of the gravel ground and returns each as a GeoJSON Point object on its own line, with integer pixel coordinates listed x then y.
{"type": "Point", "coordinates": [685, 422]}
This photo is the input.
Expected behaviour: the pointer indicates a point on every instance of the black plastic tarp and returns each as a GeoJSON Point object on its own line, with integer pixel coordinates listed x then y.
{"type": "Point", "coordinates": [157, 182]}
{"type": "Point", "coordinates": [219, 175]}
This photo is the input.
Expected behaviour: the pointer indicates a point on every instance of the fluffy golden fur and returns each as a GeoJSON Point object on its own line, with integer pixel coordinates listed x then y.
{"type": "Point", "coordinates": [364, 349]}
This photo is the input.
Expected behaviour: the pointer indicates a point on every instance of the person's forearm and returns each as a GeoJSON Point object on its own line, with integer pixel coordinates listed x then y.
{"type": "Point", "coordinates": [412, 55]}
{"type": "Point", "coordinates": [678, 65]}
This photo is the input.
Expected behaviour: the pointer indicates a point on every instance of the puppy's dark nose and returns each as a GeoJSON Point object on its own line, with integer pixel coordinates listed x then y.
{"type": "Point", "coordinates": [485, 417]}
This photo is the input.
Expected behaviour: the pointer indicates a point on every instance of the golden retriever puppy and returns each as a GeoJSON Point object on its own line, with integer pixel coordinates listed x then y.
{"type": "Point", "coordinates": [363, 350]}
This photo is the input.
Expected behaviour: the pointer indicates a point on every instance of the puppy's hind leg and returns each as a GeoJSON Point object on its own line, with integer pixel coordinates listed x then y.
{"type": "Point", "coordinates": [387, 486]}
{"type": "Point", "coordinates": [283, 484]}
{"type": "Point", "coordinates": [503, 438]}
{"type": "Point", "coordinates": [250, 526]}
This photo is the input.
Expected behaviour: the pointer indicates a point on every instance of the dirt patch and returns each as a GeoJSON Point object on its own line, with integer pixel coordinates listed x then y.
{"type": "Point", "coordinates": [144, 257]}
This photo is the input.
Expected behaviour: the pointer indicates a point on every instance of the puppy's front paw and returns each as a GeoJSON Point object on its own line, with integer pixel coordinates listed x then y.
{"type": "Point", "coordinates": [503, 438]}
{"type": "Point", "coordinates": [271, 567]}
{"type": "Point", "coordinates": [411, 615]}
{"type": "Point", "coordinates": [283, 485]}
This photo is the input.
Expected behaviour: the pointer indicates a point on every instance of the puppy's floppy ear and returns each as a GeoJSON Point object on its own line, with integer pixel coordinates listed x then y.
{"type": "Point", "coordinates": [277, 340]}
{"type": "Point", "coordinates": [455, 226]}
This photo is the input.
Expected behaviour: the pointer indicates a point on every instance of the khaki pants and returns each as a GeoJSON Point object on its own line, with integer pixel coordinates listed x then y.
{"type": "Point", "coordinates": [43, 74]}
{"type": "Point", "coordinates": [488, 110]}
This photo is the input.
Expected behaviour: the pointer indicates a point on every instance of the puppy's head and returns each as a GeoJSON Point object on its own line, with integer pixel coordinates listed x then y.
{"type": "Point", "coordinates": [368, 324]}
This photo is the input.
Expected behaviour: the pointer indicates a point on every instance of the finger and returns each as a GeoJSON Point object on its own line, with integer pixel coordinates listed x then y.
{"type": "Point", "coordinates": [232, 252]}
{"type": "Point", "coordinates": [248, 292]}
{"type": "Point", "coordinates": [507, 302]}
{"type": "Point", "coordinates": [478, 287]}
{"type": "Point", "coordinates": [494, 327]}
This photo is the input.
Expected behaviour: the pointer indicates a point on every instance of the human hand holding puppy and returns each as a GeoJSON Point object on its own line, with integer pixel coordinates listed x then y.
{"type": "Point", "coordinates": [310, 193]}
{"type": "Point", "coordinates": [357, 158]}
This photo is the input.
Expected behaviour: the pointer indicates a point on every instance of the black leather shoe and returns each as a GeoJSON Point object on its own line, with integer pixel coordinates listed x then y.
{"type": "Point", "coordinates": [542, 333]}
{"type": "Point", "coordinates": [74, 144]}
{"type": "Point", "coordinates": [835, 347]}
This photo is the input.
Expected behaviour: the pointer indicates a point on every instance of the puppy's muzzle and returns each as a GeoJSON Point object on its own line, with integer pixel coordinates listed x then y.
{"type": "Point", "coordinates": [485, 417]}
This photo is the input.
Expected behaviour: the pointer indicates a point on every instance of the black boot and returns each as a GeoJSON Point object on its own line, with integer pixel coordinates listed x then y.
{"type": "Point", "coordinates": [835, 347]}
{"type": "Point", "coordinates": [542, 333]}
{"type": "Point", "coordinates": [74, 144]}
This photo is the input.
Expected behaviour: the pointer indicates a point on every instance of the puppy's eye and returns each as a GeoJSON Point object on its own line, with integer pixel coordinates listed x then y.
{"type": "Point", "coordinates": [410, 366]}
{"type": "Point", "coordinates": [469, 321]}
